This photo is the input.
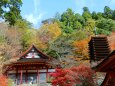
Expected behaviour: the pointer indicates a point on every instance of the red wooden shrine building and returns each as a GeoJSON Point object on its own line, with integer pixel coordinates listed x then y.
{"type": "Point", "coordinates": [32, 67]}
{"type": "Point", "coordinates": [100, 53]}
{"type": "Point", "coordinates": [108, 66]}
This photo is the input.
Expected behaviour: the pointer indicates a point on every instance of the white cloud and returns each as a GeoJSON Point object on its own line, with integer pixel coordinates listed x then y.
{"type": "Point", "coordinates": [34, 19]}
{"type": "Point", "coordinates": [36, 16]}
{"type": "Point", "coordinates": [36, 6]}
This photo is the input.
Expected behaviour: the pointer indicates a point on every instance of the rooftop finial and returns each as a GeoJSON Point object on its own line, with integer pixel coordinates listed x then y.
{"type": "Point", "coordinates": [95, 31]}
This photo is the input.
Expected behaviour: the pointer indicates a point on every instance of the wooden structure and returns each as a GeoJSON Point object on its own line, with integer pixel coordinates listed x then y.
{"type": "Point", "coordinates": [108, 66]}
{"type": "Point", "coordinates": [98, 48]}
{"type": "Point", "coordinates": [99, 51]}
{"type": "Point", "coordinates": [32, 67]}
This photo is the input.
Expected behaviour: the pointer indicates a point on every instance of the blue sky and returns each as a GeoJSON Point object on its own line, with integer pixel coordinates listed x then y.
{"type": "Point", "coordinates": [37, 10]}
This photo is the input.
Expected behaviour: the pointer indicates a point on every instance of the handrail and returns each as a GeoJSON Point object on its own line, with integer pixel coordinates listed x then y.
{"type": "Point", "coordinates": [14, 83]}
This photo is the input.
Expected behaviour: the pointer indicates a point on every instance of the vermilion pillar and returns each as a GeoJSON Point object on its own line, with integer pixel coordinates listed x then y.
{"type": "Point", "coordinates": [46, 73]}
{"type": "Point", "coordinates": [16, 76]}
{"type": "Point", "coordinates": [38, 77]}
{"type": "Point", "coordinates": [26, 77]}
{"type": "Point", "coordinates": [21, 76]}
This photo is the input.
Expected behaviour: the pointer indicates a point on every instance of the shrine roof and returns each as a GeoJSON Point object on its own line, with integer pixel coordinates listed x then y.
{"type": "Point", "coordinates": [32, 60]}
{"type": "Point", "coordinates": [107, 64]}
{"type": "Point", "coordinates": [43, 56]}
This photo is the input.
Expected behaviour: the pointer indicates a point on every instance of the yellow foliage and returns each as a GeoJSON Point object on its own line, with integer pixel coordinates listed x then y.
{"type": "Point", "coordinates": [78, 59]}
{"type": "Point", "coordinates": [50, 31]}
{"type": "Point", "coordinates": [81, 48]}
{"type": "Point", "coordinates": [47, 33]}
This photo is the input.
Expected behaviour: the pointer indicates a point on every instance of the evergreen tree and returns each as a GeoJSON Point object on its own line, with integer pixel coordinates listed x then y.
{"type": "Point", "coordinates": [86, 13]}
{"type": "Point", "coordinates": [107, 12]}
{"type": "Point", "coordinates": [13, 12]}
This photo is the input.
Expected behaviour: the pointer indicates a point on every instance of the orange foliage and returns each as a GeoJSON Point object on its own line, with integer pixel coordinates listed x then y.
{"type": "Point", "coordinates": [111, 40]}
{"type": "Point", "coordinates": [81, 48]}
{"type": "Point", "coordinates": [3, 80]}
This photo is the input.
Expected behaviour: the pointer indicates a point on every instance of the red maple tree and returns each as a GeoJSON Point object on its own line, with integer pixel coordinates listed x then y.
{"type": "Point", "coordinates": [80, 75]}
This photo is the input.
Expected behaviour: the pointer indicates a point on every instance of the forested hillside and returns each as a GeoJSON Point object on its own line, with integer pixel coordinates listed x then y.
{"type": "Point", "coordinates": [64, 37]}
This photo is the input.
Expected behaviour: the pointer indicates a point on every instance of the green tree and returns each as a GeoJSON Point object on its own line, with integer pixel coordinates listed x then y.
{"type": "Point", "coordinates": [26, 32]}
{"type": "Point", "coordinates": [49, 21]}
{"type": "Point", "coordinates": [29, 37]}
{"type": "Point", "coordinates": [113, 15]}
{"type": "Point", "coordinates": [105, 26]}
{"type": "Point", "coordinates": [86, 9]}
{"type": "Point", "coordinates": [77, 25]}
{"type": "Point", "coordinates": [102, 31]}
{"type": "Point", "coordinates": [13, 12]}
{"type": "Point", "coordinates": [94, 15]}
{"type": "Point", "coordinates": [23, 24]}
{"type": "Point", "coordinates": [79, 18]}
{"type": "Point", "coordinates": [57, 16]}
{"type": "Point", "coordinates": [99, 15]}
{"type": "Point", "coordinates": [90, 25]}
{"type": "Point", "coordinates": [107, 12]}
{"type": "Point", "coordinates": [67, 19]}
{"type": "Point", "coordinates": [86, 13]}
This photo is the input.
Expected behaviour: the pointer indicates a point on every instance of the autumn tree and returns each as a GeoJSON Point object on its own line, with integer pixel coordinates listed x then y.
{"type": "Point", "coordinates": [9, 43]}
{"type": "Point", "coordinates": [62, 48]}
{"type": "Point", "coordinates": [48, 32]}
{"type": "Point", "coordinates": [11, 39]}
{"type": "Point", "coordinates": [81, 49]}
{"type": "Point", "coordinates": [74, 76]}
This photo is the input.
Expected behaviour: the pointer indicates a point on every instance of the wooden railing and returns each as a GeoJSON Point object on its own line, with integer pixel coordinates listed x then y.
{"type": "Point", "coordinates": [35, 84]}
